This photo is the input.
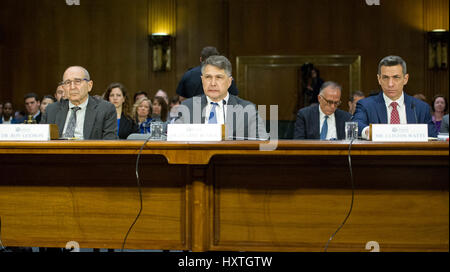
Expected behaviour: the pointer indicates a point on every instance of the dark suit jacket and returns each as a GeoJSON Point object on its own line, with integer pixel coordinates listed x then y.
{"type": "Point", "coordinates": [242, 120]}
{"type": "Point", "coordinates": [100, 121]}
{"type": "Point", "coordinates": [127, 126]}
{"type": "Point", "coordinates": [372, 110]}
{"type": "Point", "coordinates": [307, 125]}
{"type": "Point", "coordinates": [190, 84]}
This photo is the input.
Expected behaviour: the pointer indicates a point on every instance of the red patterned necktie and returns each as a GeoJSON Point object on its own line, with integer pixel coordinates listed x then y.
{"type": "Point", "coordinates": [395, 118]}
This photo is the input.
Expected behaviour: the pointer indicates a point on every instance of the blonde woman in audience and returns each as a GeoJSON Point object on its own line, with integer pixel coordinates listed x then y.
{"type": "Point", "coordinates": [142, 112]}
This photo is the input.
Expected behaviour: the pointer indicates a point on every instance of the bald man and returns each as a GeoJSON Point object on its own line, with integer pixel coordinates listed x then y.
{"type": "Point", "coordinates": [81, 116]}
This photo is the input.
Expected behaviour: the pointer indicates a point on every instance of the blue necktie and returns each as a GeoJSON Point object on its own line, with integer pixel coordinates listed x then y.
{"type": "Point", "coordinates": [212, 115]}
{"type": "Point", "coordinates": [323, 133]}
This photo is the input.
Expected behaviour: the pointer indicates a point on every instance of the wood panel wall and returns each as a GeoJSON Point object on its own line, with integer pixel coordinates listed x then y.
{"type": "Point", "coordinates": [40, 38]}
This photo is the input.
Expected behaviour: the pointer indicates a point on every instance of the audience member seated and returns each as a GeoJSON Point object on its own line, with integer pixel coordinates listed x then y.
{"type": "Point", "coordinates": [173, 108]}
{"type": "Point", "coordinates": [20, 116]}
{"type": "Point", "coordinates": [117, 95]}
{"type": "Point", "coordinates": [444, 124]}
{"type": "Point", "coordinates": [216, 80]}
{"type": "Point", "coordinates": [142, 112]}
{"type": "Point", "coordinates": [8, 112]}
{"type": "Point", "coordinates": [32, 105]}
{"type": "Point", "coordinates": [163, 94]}
{"type": "Point", "coordinates": [323, 121]}
{"type": "Point", "coordinates": [392, 105]}
{"type": "Point", "coordinates": [82, 116]}
{"type": "Point", "coordinates": [47, 99]}
{"type": "Point", "coordinates": [160, 109]}
{"type": "Point", "coordinates": [59, 93]}
{"type": "Point", "coordinates": [190, 84]}
{"type": "Point", "coordinates": [354, 98]}
{"type": "Point", "coordinates": [139, 95]}
{"type": "Point", "coordinates": [439, 108]}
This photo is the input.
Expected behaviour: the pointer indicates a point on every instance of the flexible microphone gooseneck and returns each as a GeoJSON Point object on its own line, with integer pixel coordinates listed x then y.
{"type": "Point", "coordinates": [140, 193]}
{"type": "Point", "coordinates": [353, 195]}
{"type": "Point", "coordinates": [223, 109]}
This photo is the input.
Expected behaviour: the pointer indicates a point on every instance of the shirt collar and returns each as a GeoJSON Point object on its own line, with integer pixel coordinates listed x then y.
{"type": "Point", "coordinates": [322, 115]}
{"type": "Point", "coordinates": [82, 105]}
{"type": "Point", "coordinates": [400, 101]}
{"type": "Point", "coordinates": [220, 104]}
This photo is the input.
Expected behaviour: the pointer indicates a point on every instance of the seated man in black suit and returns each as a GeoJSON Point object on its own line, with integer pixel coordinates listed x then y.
{"type": "Point", "coordinates": [81, 116]}
{"type": "Point", "coordinates": [324, 121]}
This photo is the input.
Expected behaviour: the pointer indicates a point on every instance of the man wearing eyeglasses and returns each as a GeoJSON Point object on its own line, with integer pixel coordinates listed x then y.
{"type": "Point", "coordinates": [323, 121]}
{"type": "Point", "coordinates": [81, 116]}
{"type": "Point", "coordinates": [392, 105]}
{"type": "Point", "coordinates": [217, 106]}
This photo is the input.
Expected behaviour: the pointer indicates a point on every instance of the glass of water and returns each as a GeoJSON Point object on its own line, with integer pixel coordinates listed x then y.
{"type": "Point", "coordinates": [351, 131]}
{"type": "Point", "coordinates": [156, 130]}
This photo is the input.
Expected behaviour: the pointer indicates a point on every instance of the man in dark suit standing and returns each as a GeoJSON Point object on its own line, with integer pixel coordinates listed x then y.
{"type": "Point", "coordinates": [217, 106]}
{"type": "Point", "coordinates": [323, 121]}
{"type": "Point", "coordinates": [190, 84]}
{"type": "Point", "coordinates": [392, 105]}
{"type": "Point", "coordinates": [81, 116]}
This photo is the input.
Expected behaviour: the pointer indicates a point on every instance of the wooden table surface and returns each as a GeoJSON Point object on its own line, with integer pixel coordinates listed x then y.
{"type": "Point", "coordinates": [230, 195]}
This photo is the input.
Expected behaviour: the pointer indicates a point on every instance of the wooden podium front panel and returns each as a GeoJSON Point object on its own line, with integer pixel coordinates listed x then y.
{"type": "Point", "coordinates": [297, 203]}
{"type": "Point", "coordinates": [49, 200]}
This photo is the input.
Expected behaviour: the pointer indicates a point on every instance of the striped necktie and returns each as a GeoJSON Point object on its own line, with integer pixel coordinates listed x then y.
{"type": "Point", "coordinates": [70, 130]}
{"type": "Point", "coordinates": [324, 131]}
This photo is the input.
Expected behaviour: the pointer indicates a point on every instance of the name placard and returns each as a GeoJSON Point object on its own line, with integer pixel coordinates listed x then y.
{"type": "Point", "coordinates": [194, 132]}
{"type": "Point", "coordinates": [399, 133]}
{"type": "Point", "coordinates": [28, 132]}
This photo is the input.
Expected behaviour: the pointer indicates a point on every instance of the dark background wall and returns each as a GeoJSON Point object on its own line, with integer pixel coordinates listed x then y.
{"type": "Point", "coordinates": [40, 38]}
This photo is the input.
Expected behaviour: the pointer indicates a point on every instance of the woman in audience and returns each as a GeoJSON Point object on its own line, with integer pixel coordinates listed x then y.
{"type": "Point", "coordinates": [46, 100]}
{"type": "Point", "coordinates": [439, 107]}
{"type": "Point", "coordinates": [160, 109]}
{"type": "Point", "coordinates": [142, 112]}
{"type": "Point", "coordinates": [117, 95]}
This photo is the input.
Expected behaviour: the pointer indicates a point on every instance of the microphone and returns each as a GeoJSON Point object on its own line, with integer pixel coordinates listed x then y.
{"type": "Point", "coordinates": [413, 107]}
{"type": "Point", "coordinates": [224, 103]}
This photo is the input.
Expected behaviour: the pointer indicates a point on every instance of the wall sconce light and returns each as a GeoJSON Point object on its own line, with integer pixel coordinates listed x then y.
{"type": "Point", "coordinates": [438, 49]}
{"type": "Point", "coordinates": [161, 47]}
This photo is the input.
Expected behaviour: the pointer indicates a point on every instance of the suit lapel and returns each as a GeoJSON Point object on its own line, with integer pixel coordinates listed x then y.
{"type": "Point", "coordinates": [61, 116]}
{"type": "Point", "coordinates": [410, 112]}
{"type": "Point", "coordinates": [316, 120]}
{"type": "Point", "coordinates": [89, 117]}
{"type": "Point", "coordinates": [381, 109]}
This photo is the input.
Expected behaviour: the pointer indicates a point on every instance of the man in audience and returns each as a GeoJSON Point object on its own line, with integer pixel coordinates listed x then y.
{"type": "Point", "coordinates": [8, 112]}
{"type": "Point", "coordinates": [191, 83]}
{"type": "Point", "coordinates": [392, 105]}
{"type": "Point", "coordinates": [217, 106]}
{"type": "Point", "coordinates": [59, 93]}
{"type": "Point", "coordinates": [323, 121]}
{"type": "Point", "coordinates": [32, 104]}
{"type": "Point", "coordinates": [354, 98]}
{"type": "Point", "coordinates": [139, 95]}
{"type": "Point", "coordinates": [81, 116]}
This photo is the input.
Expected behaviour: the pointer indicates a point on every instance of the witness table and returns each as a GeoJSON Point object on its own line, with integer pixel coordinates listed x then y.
{"type": "Point", "coordinates": [225, 196]}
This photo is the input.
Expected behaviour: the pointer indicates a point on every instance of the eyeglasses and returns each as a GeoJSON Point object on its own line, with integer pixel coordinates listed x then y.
{"type": "Point", "coordinates": [76, 81]}
{"type": "Point", "coordinates": [330, 103]}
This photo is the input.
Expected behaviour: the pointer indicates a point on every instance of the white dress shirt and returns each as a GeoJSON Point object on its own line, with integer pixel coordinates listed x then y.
{"type": "Point", "coordinates": [81, 113]}
{"type": "Point", "coordinates": [331, 122]}
{"type": "Point", "coordinates": [401, 108]}
{"type": "Point", "coordinates": [220, 110]}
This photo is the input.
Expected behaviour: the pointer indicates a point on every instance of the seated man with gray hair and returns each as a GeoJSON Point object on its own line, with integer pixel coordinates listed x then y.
{"type": "Point", "coordinates": [323, 121]}
{"type": "Point", "coordinates": [81, 116]}
{"type": "Point", "coordinates": [217, 106]}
